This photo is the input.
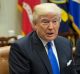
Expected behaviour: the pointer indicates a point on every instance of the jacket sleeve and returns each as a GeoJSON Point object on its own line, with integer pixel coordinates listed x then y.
{"type": "Point", "coordinates": [18, 63]}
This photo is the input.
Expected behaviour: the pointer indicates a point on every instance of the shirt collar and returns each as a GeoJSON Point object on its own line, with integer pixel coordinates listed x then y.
{"type": "Point", "coordinates": [45, 42]}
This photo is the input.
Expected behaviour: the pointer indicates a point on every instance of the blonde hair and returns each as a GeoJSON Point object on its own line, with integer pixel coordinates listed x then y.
{"type": "Point", "coordinates": [45, 8]}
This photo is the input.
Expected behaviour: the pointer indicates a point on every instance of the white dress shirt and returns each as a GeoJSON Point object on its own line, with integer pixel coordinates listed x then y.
{"type": "Point", "coordinates": [53, 49]}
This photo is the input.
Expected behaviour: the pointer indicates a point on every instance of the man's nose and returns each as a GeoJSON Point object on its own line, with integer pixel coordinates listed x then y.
{"type": "Point", "coordinates": [50, 25]}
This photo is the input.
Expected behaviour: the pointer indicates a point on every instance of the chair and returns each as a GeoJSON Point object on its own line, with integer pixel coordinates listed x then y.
{"type": "Point", "coordinates": [4, 54]}
{"type": "Point", "coordinates": [5, 41]}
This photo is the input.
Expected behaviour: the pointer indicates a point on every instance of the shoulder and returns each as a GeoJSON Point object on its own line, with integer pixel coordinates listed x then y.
{"type": "Point", "coordinates": [62, 39]}
{"type": "Point", "coordinates": [64, 45]}
{"type": "Point", "coordinates": [24, 40]}
{"type": "Point", "coordinates": [23, 45]}
{"type": "Point", "coordinates": [63, 42]}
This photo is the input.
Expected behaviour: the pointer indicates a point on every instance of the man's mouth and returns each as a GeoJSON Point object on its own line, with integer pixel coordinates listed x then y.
{"type": "Point", "coordinates": [50, 33]}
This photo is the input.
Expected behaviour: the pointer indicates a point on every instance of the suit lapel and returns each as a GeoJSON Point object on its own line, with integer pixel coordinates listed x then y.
{"type": "Point", "coordinates": [44, 58]}
{"type": "Point", "coordinates": [40, 49]}
{"type": "Point", "coordinates": [60, 52]}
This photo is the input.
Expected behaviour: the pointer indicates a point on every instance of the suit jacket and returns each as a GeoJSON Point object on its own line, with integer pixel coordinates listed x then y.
{"type": "Point", "coordinates": [28, 56]}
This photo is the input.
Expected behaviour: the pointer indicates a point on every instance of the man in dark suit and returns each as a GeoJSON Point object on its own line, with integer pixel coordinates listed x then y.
{"type": "Point", "coordinates": [29, 55]}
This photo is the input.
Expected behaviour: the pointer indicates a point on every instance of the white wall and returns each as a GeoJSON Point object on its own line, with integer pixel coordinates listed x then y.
{"type": "Point", "coordinates": [10, 17]}
{"type": "Point", "coordinates": [44, 1]}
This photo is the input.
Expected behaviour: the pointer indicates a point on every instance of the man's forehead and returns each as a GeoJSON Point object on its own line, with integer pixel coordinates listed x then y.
{"type": "Point", "coordinates": [49, 16]}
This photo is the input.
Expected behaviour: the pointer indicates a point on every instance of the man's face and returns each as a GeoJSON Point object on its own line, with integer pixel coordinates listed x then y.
{"type": "Point", "coordinates": [47, 27]}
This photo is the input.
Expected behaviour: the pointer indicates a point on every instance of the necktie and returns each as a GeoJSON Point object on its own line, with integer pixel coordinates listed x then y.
{"type": "Point", "coordinates": [53, 60]}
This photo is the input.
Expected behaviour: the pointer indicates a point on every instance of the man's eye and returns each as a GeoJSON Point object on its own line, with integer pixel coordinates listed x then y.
{"type": "Point", "coordinates": [54, 21]}
{"type": "Point", "coordinates": [45, 21]}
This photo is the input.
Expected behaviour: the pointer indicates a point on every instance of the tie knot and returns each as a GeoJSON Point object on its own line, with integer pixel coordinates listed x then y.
{"type": "Point", "coordinates": [49, 44]}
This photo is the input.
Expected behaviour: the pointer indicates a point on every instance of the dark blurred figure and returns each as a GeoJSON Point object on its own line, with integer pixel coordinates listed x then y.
{"type": "Point", "coordinates": [77, 56]}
